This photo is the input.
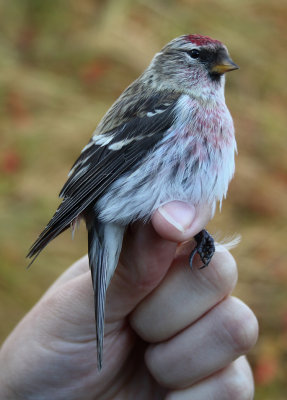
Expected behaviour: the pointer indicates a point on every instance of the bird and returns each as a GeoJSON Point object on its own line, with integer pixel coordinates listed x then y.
{"type": "Point", "coordinates": [169, 136]}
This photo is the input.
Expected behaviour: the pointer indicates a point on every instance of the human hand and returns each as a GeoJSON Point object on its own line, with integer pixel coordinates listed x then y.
{"type": "Point", "coordinates": [171, 332]}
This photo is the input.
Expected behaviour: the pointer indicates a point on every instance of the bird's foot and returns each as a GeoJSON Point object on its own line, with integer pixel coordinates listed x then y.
{"type": "Point", "coordinates": [204, 247]}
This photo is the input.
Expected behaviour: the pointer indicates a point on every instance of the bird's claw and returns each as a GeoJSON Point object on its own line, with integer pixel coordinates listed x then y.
{"type": "Point", "coordinates": [204, 247]}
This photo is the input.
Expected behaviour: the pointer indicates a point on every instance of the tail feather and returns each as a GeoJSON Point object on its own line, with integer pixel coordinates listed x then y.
{"type": "Point", "coordinates": [105, 242]}
{"type": "Point", "coordinates": [98, 266]}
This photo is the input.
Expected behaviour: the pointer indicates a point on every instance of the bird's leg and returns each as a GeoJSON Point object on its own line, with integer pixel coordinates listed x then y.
{"type": "Point", "coordinates": [204, 247]}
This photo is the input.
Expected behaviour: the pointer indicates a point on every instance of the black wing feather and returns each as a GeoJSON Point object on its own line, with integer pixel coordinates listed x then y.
{"type": "Point", "coordinates": [102, 167]}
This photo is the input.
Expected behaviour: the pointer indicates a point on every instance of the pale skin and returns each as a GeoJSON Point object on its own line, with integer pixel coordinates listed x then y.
{"type": "Point", "coordinates": [171, 333]}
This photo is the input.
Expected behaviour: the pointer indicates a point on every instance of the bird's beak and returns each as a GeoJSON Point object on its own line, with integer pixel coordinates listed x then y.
{"type": "Point", "coordinates": [225, 64]}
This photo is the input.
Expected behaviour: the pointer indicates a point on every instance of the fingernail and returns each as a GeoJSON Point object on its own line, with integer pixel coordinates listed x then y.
{"type": "Point", "coordinates": [178, 214]}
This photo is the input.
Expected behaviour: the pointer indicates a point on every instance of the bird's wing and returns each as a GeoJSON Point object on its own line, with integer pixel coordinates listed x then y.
{"type": "Point", "coordinates": [107, 157]}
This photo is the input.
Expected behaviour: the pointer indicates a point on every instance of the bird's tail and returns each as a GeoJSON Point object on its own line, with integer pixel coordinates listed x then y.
{"type": "Point", "coordinates": [105, 242]}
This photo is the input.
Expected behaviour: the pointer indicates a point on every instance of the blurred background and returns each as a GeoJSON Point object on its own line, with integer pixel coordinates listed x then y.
{"type": "Point", "coordinates": [63, 64]}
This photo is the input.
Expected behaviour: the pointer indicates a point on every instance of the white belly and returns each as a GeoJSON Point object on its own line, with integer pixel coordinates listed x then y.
{"type": "Point", "coordinates": [193, 163]}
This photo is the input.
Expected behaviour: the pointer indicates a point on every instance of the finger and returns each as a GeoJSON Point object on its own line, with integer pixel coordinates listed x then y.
{"type": "Point", "coordinates": [185, 295]}
{"type": "Point", "coordinates": [178, 221]}
{"type": "Point", "coordinates": [227, 331]}
{"type": "Point", "coordinates": [68, 314]}
{"type": "Point", "coordinates": [60, 329]}
{"type": "Point", "coordinates": [145, 259]}
{"type": "Point", "coordinates": [183, 212]}
{"type": "Point", "coordinates": [233, 382]}
{"type": "Point", "coordinates": [80, 267]}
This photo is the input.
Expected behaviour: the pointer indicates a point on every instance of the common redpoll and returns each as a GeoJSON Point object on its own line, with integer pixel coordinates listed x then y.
{"type": "Point", "coordinates": [169, 136]}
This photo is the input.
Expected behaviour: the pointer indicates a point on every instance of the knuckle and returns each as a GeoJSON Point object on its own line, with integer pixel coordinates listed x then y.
{"type": "Point", "coordinates": [157, 365]}
{"type": "Point", "coordinates": [242, 326]}
{"type": "Point", "coordinates": [237, 385]}
{"type": "Point", "coordinates": [238, 390]}
{"type": "Point", "coordinates": [151, 359]}
{"type": "Point", "coordinates": [225, 272]}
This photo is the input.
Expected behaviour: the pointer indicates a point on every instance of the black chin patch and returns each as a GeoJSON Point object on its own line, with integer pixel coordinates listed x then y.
{"type": "Point", "coordinates": [215, 77]}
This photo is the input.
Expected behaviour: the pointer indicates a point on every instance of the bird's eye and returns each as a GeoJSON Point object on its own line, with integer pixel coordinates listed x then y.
{"type": "Point", "coordinates": [194, 53]}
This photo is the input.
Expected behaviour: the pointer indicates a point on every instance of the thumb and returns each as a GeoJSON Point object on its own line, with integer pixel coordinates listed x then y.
{"type": "Point", "coordinates": [148, 251]}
